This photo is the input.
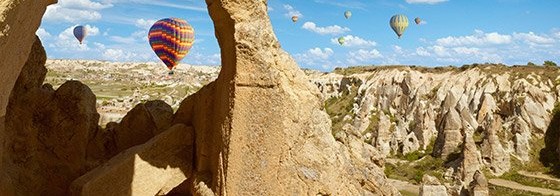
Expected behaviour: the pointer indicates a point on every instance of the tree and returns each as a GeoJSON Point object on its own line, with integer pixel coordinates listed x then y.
{"type": "Point", "coordinates": [531, 64]}
{"type": "Point", "coordinates": [549, 64]}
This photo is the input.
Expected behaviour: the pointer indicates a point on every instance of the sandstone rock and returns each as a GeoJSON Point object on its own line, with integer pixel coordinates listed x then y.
{"type": "Point", "coordinates": [153, 168]}
{"type": "Point", "coordinates": [19, 20]}
{"type": "Point", "coordinates": [470, 158]}
{"type": "Point", "coordinates": [239, 145]}
{"type": "Point", "coordinates": [493, 154]}
{"type": "Point", "coordinates": [433, 190]}
{"type": "Point", "coordinates": [479, 185]}
{"type": "Point", "coordinates": [47, 131]}
{"type": "Point", "coordinates": [142, 123]}
{"type": "Point", "coordinates": [450, 137]}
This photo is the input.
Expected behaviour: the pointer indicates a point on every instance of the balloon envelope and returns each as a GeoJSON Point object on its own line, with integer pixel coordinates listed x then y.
{"type": "Point", "coordinates": [171, 39]}
{"type": "Point", "coordinates": [417, 20]}
{"type": "Point", "coordinates": [347, 14]}
{"type": "Point", "coordinates": [399, 23]}
{"type": "Point", "coordinates": [341, 40]}
{"type": "Point", "coordinates": [295, 18]}
{"type": "Point", "coordinates": [80, 32]}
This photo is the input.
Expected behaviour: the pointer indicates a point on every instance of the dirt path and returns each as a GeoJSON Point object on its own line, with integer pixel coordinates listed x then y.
{"type": "Point", "coordinates": [517, 186]}
{"type": "Point", "coordinates": [538, 175]}
{"type": "Point", "coordinates": [405, 186]}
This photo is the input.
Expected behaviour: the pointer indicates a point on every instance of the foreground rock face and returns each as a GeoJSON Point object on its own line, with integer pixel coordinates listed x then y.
{"type": "Point", "coordinates": [153, 168]}
{"type": "Point", "coordinates": [260, 127]}
{"type": "Point", "coordinates": [19, 20]}
{"type": "Point", "coordinates": [507, 109]}
{"type": "Point", "coordinates": [47, 131]}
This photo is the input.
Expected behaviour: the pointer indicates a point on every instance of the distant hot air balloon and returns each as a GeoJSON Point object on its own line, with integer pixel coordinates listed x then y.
{"type": "Point", "coordinates": [399, 23]}
{"type": "Point", "coordinates": [347, 14]}
{"type": "Point", "coordinates": [80, 32]}
{"type": "Point", "coordinates": [417, 20]}
{"type": "Point", "coordinates": [171, 39]}
{"type": "Point", "coordinates": [295, 18]}
{"type": "Point", "coordinates": [341, 40]}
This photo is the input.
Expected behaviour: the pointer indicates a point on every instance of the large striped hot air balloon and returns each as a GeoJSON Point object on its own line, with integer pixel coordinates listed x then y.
{"type": "Point", "coordinates": [80, 32]}
{"type": "Point", "coordinates": [399, 23]}
{"type": "Point", "coordinates": [171, 39]}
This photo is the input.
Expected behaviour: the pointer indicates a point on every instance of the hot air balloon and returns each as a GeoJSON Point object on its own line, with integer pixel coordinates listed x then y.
{"type": "Point", "coordinates": [417, 20]}
{"type": "Point", "coordinates": [399, 23]}
{"type": "Point", "coordinates": [341, 40]}
{"type": "Point", "coordinates": [347, 14]}
{"type": "Point", "coordinates": [295, 18]}
{"type": "Point", "coordinates": [171, 39]}
{"type": "Point", "coordinates": [80, 32]}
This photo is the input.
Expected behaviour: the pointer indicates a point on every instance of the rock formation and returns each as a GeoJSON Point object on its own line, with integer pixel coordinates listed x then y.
{"type": "Point", "coordinates": [260, 128]}
{"type": "Point", "coordinates": [47, 131]}
{"type": "Point", "coordinates": [509, 108]}
{"type": "Point", "coordinates": [479, 185]}
{"type": "Point", "coordinates": [432, 186]}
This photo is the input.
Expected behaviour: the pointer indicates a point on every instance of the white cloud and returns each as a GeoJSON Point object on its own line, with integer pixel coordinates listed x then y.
{"type": "Point", "coordinates": [43, 34]}
{"type": "Point", "coordinates": [322, 54]}
{"type": "Point", "coordinates": [83, 4]}
{"type": "Point", "coordinates": [291, 11]}
{"type": "Point", "coordinates": [74, 11]}
{"type": "Point", "coordinates": [145, 23]}
{"type": "Point", "coordinates": [421, 51]}
{"type": "Point", "coordinates": [354, 41]}
{"type": "Point", "coordinates": [397, 49]}
{"type": "Point", "coordinates": [479, 38]}
{"type": "Point", "coordinates": [315, 57]}
{"type": "Point", "coordinates": [328, 30]}
{"type": "Point", "coordinates": [363, 56]}
{"type": "Point", "coordinates": [534, 39]}
{"type": "Point", "coordinates": [425, 1]}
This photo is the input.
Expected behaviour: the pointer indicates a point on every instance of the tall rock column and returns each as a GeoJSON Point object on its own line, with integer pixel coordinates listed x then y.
{"type": "Point", "coordinates": [260, 127]}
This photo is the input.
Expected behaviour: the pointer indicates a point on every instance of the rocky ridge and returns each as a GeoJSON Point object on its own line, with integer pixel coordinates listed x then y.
{"type": "Point", "coordinates": [481, 116]}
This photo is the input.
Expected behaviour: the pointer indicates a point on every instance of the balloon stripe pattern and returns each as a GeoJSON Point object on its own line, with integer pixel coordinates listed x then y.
{"type": "Point", "coordinates": [171, 39]}
{"type": "Point", "coordinates": [80, 33]}
{"type": "Point", "coordinates": [399, 23]}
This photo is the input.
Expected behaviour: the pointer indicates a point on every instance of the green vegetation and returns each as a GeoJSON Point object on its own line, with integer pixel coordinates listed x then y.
{"type": "Point", "coordinates": [339, 107]}
{"type": "Point", "coordinates": [549, 64]}
{"type": "Point", "coordinates": [407, 193]}
{"type": "Point", "coordinates": [498, 190]}
{"type": "Point", "coordinates": [414, 171]}
{"type": "Point", "coordinates": [531, 64]}
{"type": "Point", "coordinates": [530, 181]}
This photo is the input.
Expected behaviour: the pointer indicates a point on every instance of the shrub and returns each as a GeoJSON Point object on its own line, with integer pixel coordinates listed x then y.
{"type": "Point", "coordinates": [549, 64]}
{"type": "Point", "coordinates": [531, 64]}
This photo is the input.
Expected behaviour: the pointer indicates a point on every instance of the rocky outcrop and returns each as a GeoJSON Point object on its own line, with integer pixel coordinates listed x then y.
{"type": "Point", "coordinates": [498, 102]}
{"type": "Point", "coordinates": [47, 131]}
{"type": "Point", "coordinates": [260, 128]}
{"type": "Point", "coordinates": [153, 168]}
{"type": "Point", "coordinates": [19, 20]}
{"type": "Point", "coordinates": [470, 158]}
{"type": "Point", "coordinates": [432, 186]}
{"type": "Point", "coordinates": [479, 185]}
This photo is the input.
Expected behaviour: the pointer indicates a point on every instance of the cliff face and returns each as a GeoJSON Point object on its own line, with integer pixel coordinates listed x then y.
{"type": "Point", "coordinates": [405, 109]}
{"type": "Point", "coordinates": [260, 128]}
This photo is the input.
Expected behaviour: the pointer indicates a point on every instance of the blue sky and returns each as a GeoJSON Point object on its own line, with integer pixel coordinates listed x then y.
{"type": "Point", "coordinates": [454, 32]}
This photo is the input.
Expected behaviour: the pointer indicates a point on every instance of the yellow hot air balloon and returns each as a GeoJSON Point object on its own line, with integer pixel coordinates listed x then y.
{"type": "Point", "coordinates": [399, 23]}
{"type": "Point", "coordinates": [341, 40]}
